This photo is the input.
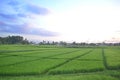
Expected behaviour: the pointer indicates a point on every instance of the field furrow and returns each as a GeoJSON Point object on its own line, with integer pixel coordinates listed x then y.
{"type": "Point", "coordinates": [113, 58]}
{"type": "Point", "coordinates": [41, 63]}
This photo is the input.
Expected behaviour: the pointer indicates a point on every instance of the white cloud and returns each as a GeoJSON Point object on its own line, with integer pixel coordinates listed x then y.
{"type": "Point", "coordinates": [85, 22]}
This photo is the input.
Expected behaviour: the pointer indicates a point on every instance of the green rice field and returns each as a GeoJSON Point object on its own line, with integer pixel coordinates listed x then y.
{"type": "Point", "coordinates": [34, 62]}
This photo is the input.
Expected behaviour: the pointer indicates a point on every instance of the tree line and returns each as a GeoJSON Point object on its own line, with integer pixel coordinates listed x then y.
{"type": "Point", "coordinates": [21, 40]}
{"type": "Point", "coordinates": [13, 40]}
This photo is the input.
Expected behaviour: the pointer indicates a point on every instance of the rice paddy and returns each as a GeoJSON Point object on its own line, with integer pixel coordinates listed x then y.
{"type": "Point", "coordinates": [34, 62]}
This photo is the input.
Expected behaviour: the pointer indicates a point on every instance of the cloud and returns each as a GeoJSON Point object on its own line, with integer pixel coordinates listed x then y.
{"type": "Point", "coordinates": [13, 2]}
{"type": "Point", "coordinates": [37, 10]}
{"type": "Point", "coordinates": [2, 23]}
{"type": "Point", "coordinates": [15, 17]}
{"type": "Point", "coordinates": [25, 29]}
{"type": "Point", "coordinates": [7, 16]}
{"type": "Point", "coordinates": [15, 8]}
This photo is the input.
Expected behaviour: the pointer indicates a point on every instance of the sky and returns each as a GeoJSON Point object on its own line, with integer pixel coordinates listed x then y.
{"type": "Point", "coordinates": [61, 20]}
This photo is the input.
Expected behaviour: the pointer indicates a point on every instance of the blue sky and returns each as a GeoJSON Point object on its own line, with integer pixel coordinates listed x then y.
{"type": "Point", "coordinates": [66, 20]}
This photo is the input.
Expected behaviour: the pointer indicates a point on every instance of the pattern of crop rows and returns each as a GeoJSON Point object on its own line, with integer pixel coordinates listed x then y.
{"type": "Point", "coordinates": [89, 62]}
{"type": "Point", "coordinates": [112, 58]}
{"type": "Point", "coordinates": [36, 61]}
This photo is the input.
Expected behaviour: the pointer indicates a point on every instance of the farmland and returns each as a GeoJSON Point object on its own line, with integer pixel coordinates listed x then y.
{"type": "Point", "coordinates": [32, 62]}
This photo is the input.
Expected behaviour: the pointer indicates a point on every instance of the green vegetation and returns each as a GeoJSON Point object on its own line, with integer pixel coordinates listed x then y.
{"type": "Point", "coordinates": [113, 58]}
{"type": "Point", "coordinates": [62, 77]}
{"type": "Point", "coordinates": [13, 40]}
{"type": "Point", "coordinates": [33, 62]}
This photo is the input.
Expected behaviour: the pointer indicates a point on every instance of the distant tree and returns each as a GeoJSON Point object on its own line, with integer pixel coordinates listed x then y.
{"type": "Point", "coordinates": [25, 41]}
{"type": "Point", "coordinates": [13, 40]}
{"type": "Point", "coordinates": [48, 43]}
{"type": "Point", "coordinates": [74, 43]}
{"type": "Point", "coordinates": [63, 43]}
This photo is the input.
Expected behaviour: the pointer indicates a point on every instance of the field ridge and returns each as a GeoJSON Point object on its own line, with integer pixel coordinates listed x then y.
{"type": "Point", "coordinates": [47, 71]}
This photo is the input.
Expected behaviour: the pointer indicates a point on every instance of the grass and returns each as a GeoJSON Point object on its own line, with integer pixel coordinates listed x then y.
{"type": "Point", "coordinates": [62, 77]}
{"type": "Point", "coordinates": [94, 55]}
{"type": "Point", "coordinates": [113, 58]}
{"type": "Point", "coordinates": [76, 66]}
{"type": "Point", "coordinates": [31, 62]}
{"type": "Point", "coordinates": [33, 67]}
{"type": "Point", "coordinates": [74, 54]}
